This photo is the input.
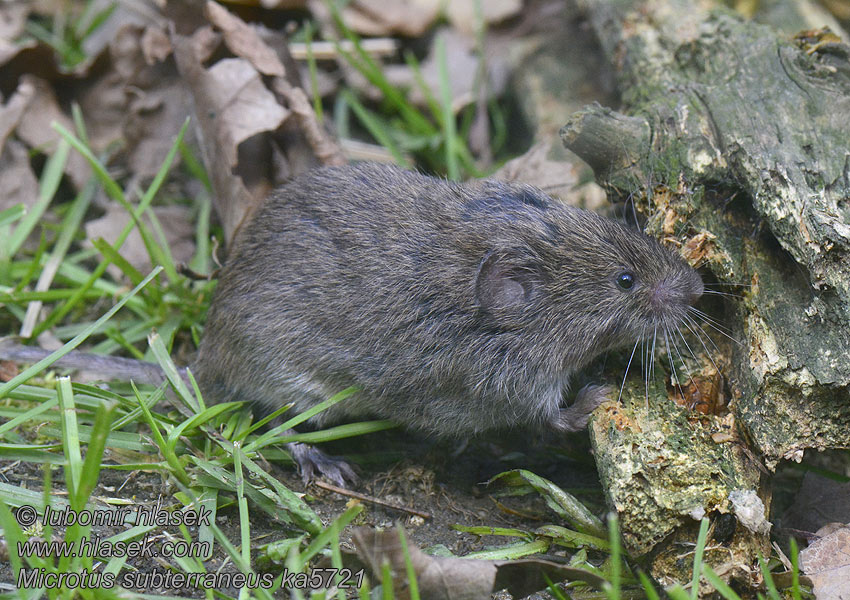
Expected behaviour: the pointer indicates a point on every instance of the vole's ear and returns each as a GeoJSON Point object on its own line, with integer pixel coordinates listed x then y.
{"type": "Point", "coordinates": [505, 281]}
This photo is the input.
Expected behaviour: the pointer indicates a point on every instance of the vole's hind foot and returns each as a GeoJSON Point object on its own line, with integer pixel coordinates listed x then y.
{"type": "Point", "coordinates": [312, 462]}
{"type": "Point", "coordinates": [576, 416]}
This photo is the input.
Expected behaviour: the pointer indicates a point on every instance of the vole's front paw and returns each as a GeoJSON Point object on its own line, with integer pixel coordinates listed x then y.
{"type": "Point", "coordinates": [312, 462]}
{"type": "Point", "coordinates": [575, 417]}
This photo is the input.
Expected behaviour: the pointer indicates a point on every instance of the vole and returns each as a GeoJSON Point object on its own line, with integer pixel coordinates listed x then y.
{"type": "Point", "coordinates": [456, 308]}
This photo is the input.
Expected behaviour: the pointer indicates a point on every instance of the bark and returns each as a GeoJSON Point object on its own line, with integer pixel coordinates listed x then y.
{"type": "Point", "coordinates": [733, 141]}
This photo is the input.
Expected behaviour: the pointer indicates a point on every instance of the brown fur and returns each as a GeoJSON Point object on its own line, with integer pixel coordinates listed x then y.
{"type": "Point", "coordinates": [457, 308]}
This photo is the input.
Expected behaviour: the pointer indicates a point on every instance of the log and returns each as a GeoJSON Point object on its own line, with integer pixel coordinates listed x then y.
{"type": "Point", "coordinates": [732, 140]}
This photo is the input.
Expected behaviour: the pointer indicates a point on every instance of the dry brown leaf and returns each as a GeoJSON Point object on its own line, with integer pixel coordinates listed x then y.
{"type": "Point", "coordinates": [232, 199]}
{"type": "Point", "coordinates": [139, 14]}
{"type": "Point", "coordinates": [13, 20]}
{"type": "Point", "coordinates": [378, 17]}
{"type": "Point", "coordinates": [827, 563]}
{"type": "Point", "coordinates": [555, 177]}
{"type": "Point", "coordinates": [463, 66]}
{"type": "Point", "coordinates": [36, 131]}
{"type": "Point", "coordinates": [13, 110]}
{"type": "Point", "coordinates": [244, 105]}
{"type": "Point", "coordinates": [450, 578]}
{"type": "Point", "coordinates": [176, 224]}
{"type": "Point", "coordinates": [18, 184]}
{"type": "Point", "coordinates": [243, 41]}
{"type": "Point", "coordinates": [462, 13]}
{"type": "Point", "coordinates": [156, 46]}
{"type": "Point", "coordinates": [153, 120]}
{"type": "Point", "coordinates": [245, 135]}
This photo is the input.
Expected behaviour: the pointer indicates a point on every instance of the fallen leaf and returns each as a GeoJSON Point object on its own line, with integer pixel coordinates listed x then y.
{"type": "Point", "coordinates": [138, 14]}
{"type": "Point", "coordinates": [13, 110]}
{"type": "Point", "coordinates": [411, 18]}
{"type": "Point", "coordinates": [36, 131]}
{"type": "Point", "coordinates": [246, 136]}
{"type": "Point", "coordinates": [13, 20]}
{"type": "Point", "coordinates": [827, 563]}
{"type": "Point", "coordinates": [18, 184]}
{"type": "Point", "coordinates": [463, 66]}
{"type": "Point", "coordinates": [217, 143]}
{"type": "Point", "coordinates": [176, 224]}
{"type": "Point", "coordinates": [450, 578]}
{"type": "Point", "coordinates": [243, 41]}
{"type": "Point", "coordinates": [556, 178]}
{"type": "Point", "coordinates": [463, 14]}
{"type": "Point", "coordinates": [156, 46]}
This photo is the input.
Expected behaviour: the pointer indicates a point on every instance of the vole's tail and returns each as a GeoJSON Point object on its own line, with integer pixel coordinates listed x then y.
{"type": "Point", "coordinates": [114, 368]}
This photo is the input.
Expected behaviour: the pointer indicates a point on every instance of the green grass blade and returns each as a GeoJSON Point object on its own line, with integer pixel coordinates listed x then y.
{"type": "Point", "coordinates": [94, 452]}
{"type": "Point", "coordinates": [412, 585]}
{"type": "Point", "coordinates": [49, 183]}
{"type": "Point", "coordinates": [648, 588]}
{"type": "Point", "coordinates": [10, 215]}
{"type": "Point", "coordinates": [719, 585]}
{"type": "Point", "coordinates": [28, 416]}
{"type": "Point", "coordinates": [176, 467]}
{"type": "Point", "coordinates": [375, 128]}
{"type": "Point", "coordinates": [197, 420]}
{"type": "Point", "coordinates": [768, 579]}
{"type": "Point", "coordinates": [795, 570]}
{"type": "Point", "coordinates": [70, 439]}
{"type": "Point", "coordinates": [79, 339]}
{"type": "Point", "coordinates": [13, 535]}
{"type": "Point", "coordinates": [112, 188]}
{"type": "Point", "coordinates": [564, 504]}
{"type": "Point", "coordinates": [341, 431]}
{"type": "Point", "coordinates": [314, 77]}
{"type": "Point", "coordinates": [119, 261]}
{"type": "Point", "coordinates": [164, 359]}
{"type": "Point", "coordinates": [700, 548]}
{"type": "Point", "coordinates": [70, 227]}
{"type": "Point", "coordinates": [272, 437]}
{"type": "Point", "coordinates": [512, 551]}
{"type": "Point", "coordinates": [109, 184]}
{"type": "Point", "coordinates": [449, 126]}
{"type": "Point", "coordinates": [614, 590]}
{"type": "Point", "coordinates": [325, 536]}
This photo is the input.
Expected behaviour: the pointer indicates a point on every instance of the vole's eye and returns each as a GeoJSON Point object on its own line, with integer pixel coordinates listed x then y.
{"type": "Point", "coordinates": [625, 280]}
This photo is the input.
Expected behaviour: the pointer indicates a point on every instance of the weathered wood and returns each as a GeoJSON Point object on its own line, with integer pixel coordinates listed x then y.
{"type": "Point", "coordinates": [747, 157]}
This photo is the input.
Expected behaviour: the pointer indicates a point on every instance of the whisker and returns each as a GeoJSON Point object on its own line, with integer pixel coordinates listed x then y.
{"type": "Point", "coordinates": [687, 323]}
{"type": "Point", "coordinates": [684, 341]}
{"type": "Point", "coordinates": [718, 293]}
{"type": "Point", "coordinates": [705, 318]}
{"type": "Point", "coordinates": [673, 374]}
{"type": "Point", "coordinates": [652, 359]}
{"type": "Point", "coordinates": [699, 331]}
{"type": "Point", "coordinates": [682, 358]}
{"type": "Point", "coordinates": [623, 385]}
{"type": "Point", "coordinates": [720, 331]}
{"type": "Point", "coordinates": [731, 283]}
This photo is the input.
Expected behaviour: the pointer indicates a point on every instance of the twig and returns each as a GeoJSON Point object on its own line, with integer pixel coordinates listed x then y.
{"type": "Point", "coordinates": [372, 499]}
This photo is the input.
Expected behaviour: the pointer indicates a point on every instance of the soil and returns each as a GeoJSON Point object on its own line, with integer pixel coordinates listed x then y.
{"type": "Point", "coordinates": [441, 478]}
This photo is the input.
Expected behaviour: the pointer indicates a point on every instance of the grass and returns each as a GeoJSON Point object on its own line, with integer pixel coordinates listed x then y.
{"type": "Point", "coordinates": [431, 136]}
